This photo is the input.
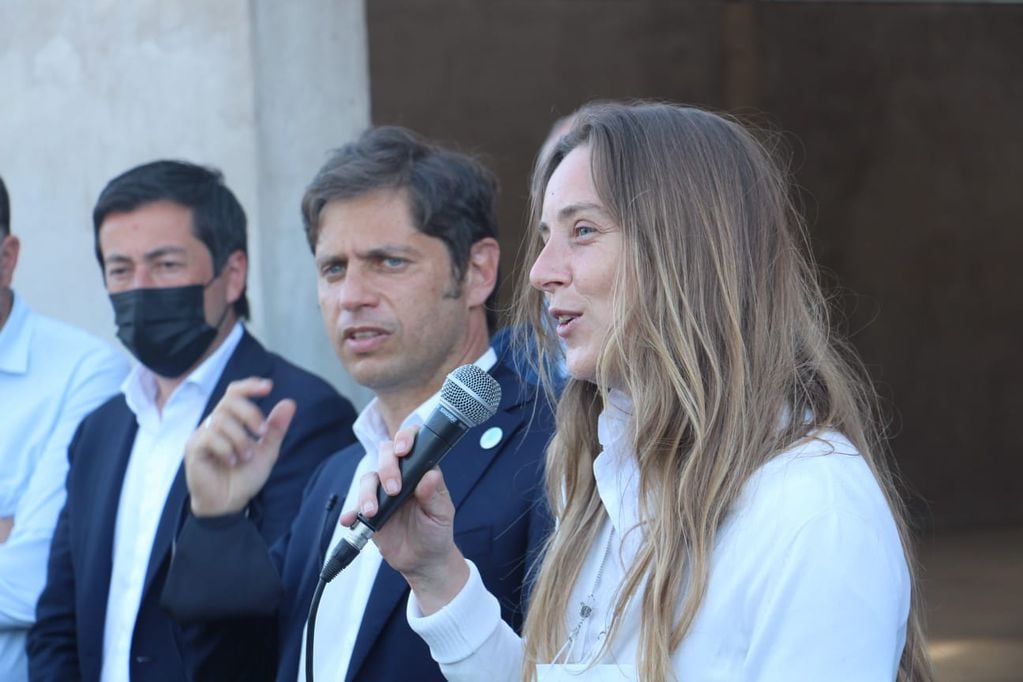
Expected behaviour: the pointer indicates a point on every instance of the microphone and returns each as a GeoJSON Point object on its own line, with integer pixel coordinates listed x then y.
{"type": "Point", "coordinates": [468, 398]}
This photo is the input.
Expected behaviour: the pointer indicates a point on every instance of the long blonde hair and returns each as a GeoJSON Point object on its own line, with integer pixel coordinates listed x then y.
{"type": "Point", "coordinates": [719, 329]}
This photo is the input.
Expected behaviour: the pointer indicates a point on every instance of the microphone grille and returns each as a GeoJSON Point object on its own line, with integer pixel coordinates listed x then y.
{"type": "Point", "coordinates": [472, 394]}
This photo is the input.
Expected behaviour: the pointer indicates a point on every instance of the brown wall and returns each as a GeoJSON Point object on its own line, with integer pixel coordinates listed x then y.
{"type": "Point", "coordinates": [906, 123]}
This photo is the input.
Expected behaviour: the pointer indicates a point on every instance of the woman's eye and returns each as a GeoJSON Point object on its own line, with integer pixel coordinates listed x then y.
{"type": "Point", "coordinates": [584, 230]}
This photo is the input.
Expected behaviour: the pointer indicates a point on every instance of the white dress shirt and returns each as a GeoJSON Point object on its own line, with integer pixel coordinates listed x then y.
{"type": "Point", "coordinates": [156, 456]}
{"type": "Point", "coordinates": [808, 580]}
{"type": "Point", "coordinates": [51, 376]}
{"type": "Point", "coordinates": [344, 598]}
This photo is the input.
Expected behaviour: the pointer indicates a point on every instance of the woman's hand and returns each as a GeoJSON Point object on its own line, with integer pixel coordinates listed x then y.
{"type": "Point", "coordinates": [417, 541]}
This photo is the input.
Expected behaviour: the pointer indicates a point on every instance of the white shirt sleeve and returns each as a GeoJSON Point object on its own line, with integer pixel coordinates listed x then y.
{"type": "Point", "coordinates": [23, 557]}
{"type": "Point", "coordinates": [467, 637]}
{"type": "Point", "coordinates": [831, 605]}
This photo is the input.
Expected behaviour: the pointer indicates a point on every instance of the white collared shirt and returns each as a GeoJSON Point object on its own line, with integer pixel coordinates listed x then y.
{"type": "Point", "coordinates": [808, 580]}
{"type": "Point", "coordinates": [155, 459]}
{"type": "Point", "coordinates": [344, 598]}
{"type": "Point", "coordinates": [51, 376]}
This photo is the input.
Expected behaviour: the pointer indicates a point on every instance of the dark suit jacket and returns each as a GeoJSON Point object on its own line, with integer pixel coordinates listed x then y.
{"type": "Point", "coordinates": [66, 643]}
{"type": "Point", "coordinates": [501, 521]}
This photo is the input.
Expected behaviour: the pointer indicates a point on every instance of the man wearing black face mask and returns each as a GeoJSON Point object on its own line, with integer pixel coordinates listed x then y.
{"type": "Point", "coordinates": [170, 238]}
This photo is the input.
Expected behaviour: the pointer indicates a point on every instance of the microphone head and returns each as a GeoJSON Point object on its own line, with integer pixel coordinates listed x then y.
{"type": "Point", "coordinates": [471, 395]}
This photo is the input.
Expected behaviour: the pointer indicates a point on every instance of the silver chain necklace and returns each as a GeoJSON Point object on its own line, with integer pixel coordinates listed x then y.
{"type": "Point", "coordinates": [587, 604]}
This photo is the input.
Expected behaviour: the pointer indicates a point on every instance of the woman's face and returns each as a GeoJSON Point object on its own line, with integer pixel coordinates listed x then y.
{"type": "Point", "coordinates": [576, 267]}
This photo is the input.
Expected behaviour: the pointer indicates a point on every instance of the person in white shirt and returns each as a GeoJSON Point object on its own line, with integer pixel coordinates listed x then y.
{"type": "Point", "coordinates": [51, 376]}
{"type": "Point", "coordinates": [723, 504]}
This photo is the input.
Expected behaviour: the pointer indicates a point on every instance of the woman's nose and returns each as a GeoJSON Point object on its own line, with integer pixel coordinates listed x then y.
{"type": "Point", "coordinates": [550, 269]}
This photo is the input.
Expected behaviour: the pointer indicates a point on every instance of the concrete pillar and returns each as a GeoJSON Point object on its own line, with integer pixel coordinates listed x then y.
{"type": "Point", "coordinates": [312, 95]}
{"type": "Point", "coordinates": [257, 88]}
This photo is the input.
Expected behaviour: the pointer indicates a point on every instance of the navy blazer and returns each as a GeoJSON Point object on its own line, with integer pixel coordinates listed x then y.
{"type": "Point", "coordinates": [501, 522]}
{"type": "Point", "coordinates": [66, 643]}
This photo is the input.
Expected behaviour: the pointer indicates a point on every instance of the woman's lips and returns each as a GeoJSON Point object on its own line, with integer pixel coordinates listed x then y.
{"type": "Point", "coordinates": [566, 321]}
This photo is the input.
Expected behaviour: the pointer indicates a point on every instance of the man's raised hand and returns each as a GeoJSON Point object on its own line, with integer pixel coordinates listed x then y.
{"type": "Point", "coordinates": [230, 455]}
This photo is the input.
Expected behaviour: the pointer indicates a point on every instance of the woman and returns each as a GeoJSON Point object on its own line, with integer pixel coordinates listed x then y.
{"type": "Point", "coordinates": [724, 508]}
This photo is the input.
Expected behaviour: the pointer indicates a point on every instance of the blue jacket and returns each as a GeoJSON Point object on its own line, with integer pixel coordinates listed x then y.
{"type": "Point", "coordinates": [501, 522]}
{"type": "Point", "coordinates": [66, 643]}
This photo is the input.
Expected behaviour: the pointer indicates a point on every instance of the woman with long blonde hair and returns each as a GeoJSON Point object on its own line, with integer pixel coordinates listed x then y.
{"type": "Point", "coordinates": [724, 506]}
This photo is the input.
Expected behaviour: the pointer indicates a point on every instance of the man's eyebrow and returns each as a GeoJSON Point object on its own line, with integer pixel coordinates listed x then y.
{"type": "Point", "coordinates": [387, 251]}
{"type": "Point", "coordinates": [156, 254]}
{"type": "Point", "coordinates": [329, 259]}
{"type": "Point", "coordinates": [161, 251]}
{"type": "Point", "coordinates": [375, 253]}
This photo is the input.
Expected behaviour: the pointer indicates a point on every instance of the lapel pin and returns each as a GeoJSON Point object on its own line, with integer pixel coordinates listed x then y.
{"type": "Point", "coordinates": [491, 437]}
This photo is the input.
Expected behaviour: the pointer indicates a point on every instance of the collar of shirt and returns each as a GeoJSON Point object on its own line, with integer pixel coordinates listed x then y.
{"type": "Point", "coordinates": [369, 426]}
{"type": "Point", "coordinates": [139, 386]}
{"type": "Point", "coordinates": [616, 470]}
{"type": "Point", "coordinates": [15, 338]}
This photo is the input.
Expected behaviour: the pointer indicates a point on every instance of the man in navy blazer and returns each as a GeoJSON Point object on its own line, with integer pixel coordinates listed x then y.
{"type": "Point", "coordinates": [170, 238]}
{"type": "Point", "coordinates": [403, 234]}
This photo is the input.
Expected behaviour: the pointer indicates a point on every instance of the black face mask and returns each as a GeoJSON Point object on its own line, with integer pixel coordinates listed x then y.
{"type": "Point", "coordinates": [165, 328]}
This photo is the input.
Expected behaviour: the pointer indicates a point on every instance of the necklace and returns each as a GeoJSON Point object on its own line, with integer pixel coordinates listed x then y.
{"type": "Point", "coordinates": [587, 604]}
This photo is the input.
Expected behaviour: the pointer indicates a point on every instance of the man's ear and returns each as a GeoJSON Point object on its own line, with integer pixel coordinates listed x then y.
{"type": "Point", "coordinates": [9, 249]}
{"type": "Point", "coordinates": [481, 271]}
{"type": "Point", "coordinates": [235, 272]}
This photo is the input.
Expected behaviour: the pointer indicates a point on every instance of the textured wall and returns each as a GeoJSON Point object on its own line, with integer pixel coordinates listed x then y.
{"type": "Point", "coordinates": [312, 95]}
{"type": "Point", "coordinates": [93, 88]}
{"type": "Point", "coordinates": [905, 120]}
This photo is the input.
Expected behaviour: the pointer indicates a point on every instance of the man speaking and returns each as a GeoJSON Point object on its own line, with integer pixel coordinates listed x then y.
{"type": "Point", "coordinates": [404, 238]}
